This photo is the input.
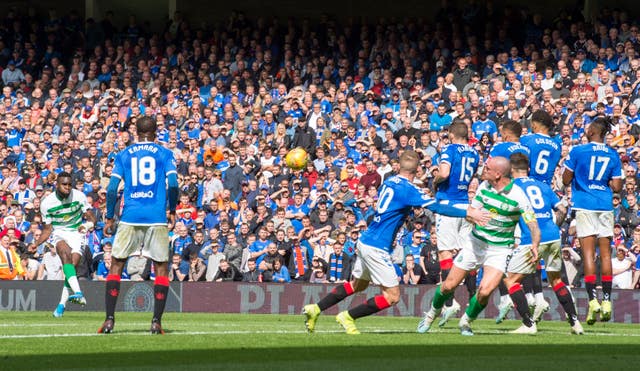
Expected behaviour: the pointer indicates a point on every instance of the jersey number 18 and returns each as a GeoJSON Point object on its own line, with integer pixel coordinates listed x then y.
{"type": "Point", "coordinates": [143, 171]}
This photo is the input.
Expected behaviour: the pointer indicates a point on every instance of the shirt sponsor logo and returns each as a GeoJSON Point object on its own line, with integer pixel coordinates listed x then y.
{"type": "Point", "coordinates": [148, 194]}
{"type": "Point", "coordinates": [597, 187]}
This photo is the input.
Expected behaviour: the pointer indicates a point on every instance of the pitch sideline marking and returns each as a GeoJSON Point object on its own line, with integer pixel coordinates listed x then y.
{"type": "Point", "coordinates": [243, 332]}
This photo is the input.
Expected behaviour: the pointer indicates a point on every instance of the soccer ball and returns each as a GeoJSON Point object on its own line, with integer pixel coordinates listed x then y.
{"type": "Point", "coordinates": [296, 159]}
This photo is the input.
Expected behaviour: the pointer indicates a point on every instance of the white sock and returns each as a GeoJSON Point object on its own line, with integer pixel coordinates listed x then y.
{"type": "Point", "coordinates": [531, 301]}
{"type": "Point", "coordinates": [504, 300]}
{"type": "Point", "coordinates": [65, 296]}
{"type": "Point", "coordinates": [539, 298]}
{"type": "Point", "coordinates": [75, 285]}
{"type": "Point", "coordinates": [465, 318]}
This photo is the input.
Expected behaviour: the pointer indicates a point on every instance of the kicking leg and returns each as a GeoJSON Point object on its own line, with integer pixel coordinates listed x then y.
{"type": "Point", "coordinates": [338, 294]}
{"type": "Point", "coordinates": [566, 300]}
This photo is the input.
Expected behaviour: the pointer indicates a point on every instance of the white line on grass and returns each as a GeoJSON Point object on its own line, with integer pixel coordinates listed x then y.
{"type": "Point", "coordinates": [276, 332]}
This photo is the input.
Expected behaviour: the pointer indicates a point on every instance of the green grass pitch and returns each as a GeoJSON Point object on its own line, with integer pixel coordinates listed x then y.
{"type": "Point", "coordinates": [194, 341]}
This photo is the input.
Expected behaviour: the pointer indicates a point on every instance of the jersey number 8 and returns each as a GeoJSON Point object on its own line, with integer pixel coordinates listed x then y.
{"type": "Point", "coordinates": [143, 171]}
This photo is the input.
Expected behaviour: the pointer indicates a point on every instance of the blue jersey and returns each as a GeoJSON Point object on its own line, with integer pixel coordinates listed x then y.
{"type": "Point", "coordinates": [543, 200]}
{"type": "Point", "coordinates": [545, 155]}
{"type": "Point", "coordinates": [463, 161]}
{"type": "Point", "coordinates": [593, 166]}
{"type": "Point", "coordinates": [396, 199]}
{"type": "Point", "coordinates": [486, 126]}
{"type": "Point", "coordinates": [144, 168]}
{"type": "Point", "coordinates": [506, 149]}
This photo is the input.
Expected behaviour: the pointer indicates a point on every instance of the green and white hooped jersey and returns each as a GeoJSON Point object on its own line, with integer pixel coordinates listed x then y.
{"type": "Point", "coordinates": [506, 207]}
{"type": "Point", "coordinates": [65, 215]}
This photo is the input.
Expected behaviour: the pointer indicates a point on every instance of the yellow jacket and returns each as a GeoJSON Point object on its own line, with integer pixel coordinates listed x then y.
{"type": "Point", "coordinates": [5, 272]}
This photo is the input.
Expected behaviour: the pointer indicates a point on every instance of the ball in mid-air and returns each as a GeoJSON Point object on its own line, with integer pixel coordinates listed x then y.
{"type": "Point", "coordinates": [296, 159]}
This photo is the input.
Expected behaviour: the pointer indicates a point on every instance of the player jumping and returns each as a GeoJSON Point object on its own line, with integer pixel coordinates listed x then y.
{"type": "Point", "coordinates": [594, 172]}
{"type": "Point", "coordinates": [146, 169]}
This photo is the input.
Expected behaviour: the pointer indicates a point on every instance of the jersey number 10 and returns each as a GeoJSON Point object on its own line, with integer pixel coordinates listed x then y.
{"type": "Point", "coordinates": [143, 171]}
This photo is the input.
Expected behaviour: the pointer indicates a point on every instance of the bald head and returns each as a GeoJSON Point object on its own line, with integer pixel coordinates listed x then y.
{"type": "Point", "coordinates": [501, 165]}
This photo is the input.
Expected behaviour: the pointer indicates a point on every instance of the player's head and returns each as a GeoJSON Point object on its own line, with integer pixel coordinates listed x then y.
{"type": "Point", "coordinates": [598, 129]}
{"type": "Point", "coordinates": [511, 130]}
{"type": "Point", "coordinates": [146, 128]}
{"type": "Point", "coordinates": [519, 163]}
{"type": "Point", "coordinates": [459, 130]}
{"type": "Point", "coordinates": [496, 169]}
{"type": "Point", "coordinates": [541, 122]}
{"type": "Point", "coordinates": [64, 184]}
{"type": "Point", "coordinates": [409, 161]}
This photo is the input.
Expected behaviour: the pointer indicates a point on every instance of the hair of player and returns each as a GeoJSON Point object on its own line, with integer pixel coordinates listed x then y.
{"type": "Point", "coordinates": [459, 129]}
{"type": "Point", "coordinates": [409, 161]}
{"type": "Point", "coordinates": [514, 127]}
{"type": "Point", "coordinates": [64, 174]}
{"type": "Point", "coordinates": [543, 118]}
{"type": "Point", "coordinates": [519, 161]}
{"type": "Point", "coordinates": [602, 125]}
{"type": "Point", "coordinates": [146, 126]}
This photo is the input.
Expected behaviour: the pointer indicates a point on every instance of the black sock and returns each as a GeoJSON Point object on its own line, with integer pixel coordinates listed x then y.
{"type": "Point", "coordinates": [371, 306]}
{"type": "Point", "coordinates": [527, 283]}
{"type": "Point", "coordinates": [111, 295]}
{"type": "Point", "coordinates": [160, 290]}
{"type": "Point", "coordinates": [503, 289]}
{"type": "Point", "coordinates": [444, 273]}
{"type": "Point", "coordinates": [520, 301]}
{"type": "Point", "coordinates": [565, 299]}
{"type": "Point", "coordinates": [590, 285]}
{"type": "Point", "coordinates": [537, 282]}
{"type": "Point", "coordinates": [606, 287]}
{"type": "Point", "coordinates": [336, 295]}
{"type": "Point", "coordinates": [470, 283]}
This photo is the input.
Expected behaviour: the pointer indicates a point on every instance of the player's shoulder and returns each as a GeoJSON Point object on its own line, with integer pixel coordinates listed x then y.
{"type": "Point", "coordinates": [49, 199]}
{"type": "Point", "coordinates": [77, 195]}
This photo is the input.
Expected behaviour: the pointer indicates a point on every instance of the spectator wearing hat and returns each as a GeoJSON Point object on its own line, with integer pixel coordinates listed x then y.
{"type": "Point", "coordinates": [12, 75]}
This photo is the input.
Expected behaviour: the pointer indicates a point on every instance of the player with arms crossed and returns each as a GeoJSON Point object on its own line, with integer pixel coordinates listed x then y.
{"type": "Point", "coordinates": [398, 195]}
{"type": "Point", "coordinates": [62, 212]}
{"type": "Point", "coordinates": [594, 170]}
{"type": "Point", "coordinates": [544, 201]}
{"type": "Point", "coordinates": [458, 164]}
{"type": "Point", "coordinates": [146, 169]}
{"type": "Point", "coordinates": [491, 245]}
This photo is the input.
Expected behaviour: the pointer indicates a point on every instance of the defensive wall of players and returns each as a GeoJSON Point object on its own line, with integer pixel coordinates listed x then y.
{"type": "Point", "coordinates": [270, 298]}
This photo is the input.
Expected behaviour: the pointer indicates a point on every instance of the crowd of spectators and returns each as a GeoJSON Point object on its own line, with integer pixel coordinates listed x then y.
{"type": "Point", "coordinates": [232, 98]}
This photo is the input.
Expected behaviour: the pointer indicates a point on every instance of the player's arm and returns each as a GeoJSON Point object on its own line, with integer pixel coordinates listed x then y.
{"type": "Point", "coordinates": [112, 198]}
{"type": "Point", "coordinates": [567, 173]}
{"type": "Point", "coordinates": [529, 217]}
{"type": "Point", "coordinates": [444, 169]}
{"type": "Point", "coordinates": [616, 184]}
{"type": "Point", "coordinates": [174, 190]}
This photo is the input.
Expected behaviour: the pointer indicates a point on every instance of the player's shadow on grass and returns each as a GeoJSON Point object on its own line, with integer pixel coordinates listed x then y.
{"type": "Point", "coordinates": [491, 355]}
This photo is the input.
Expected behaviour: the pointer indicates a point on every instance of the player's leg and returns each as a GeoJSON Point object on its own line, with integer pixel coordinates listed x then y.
{"type": "Point", "coordinates": [607, 277]}
{"type": "Point", "coordinates": [494, 261]}
{"type": "Point", "coordinates": [527, 286]}
{"type": "Point", "coordinates": [512, 282]}
{"type": "Point", "coordinates": [339, 293]}
{"type": "Point", "coordinates": [65, 245]}
{"type": "Point", "coordinates": [471, 282]}
{"type": "Point", "coordinates": [377, 268]}
{"type": "Point", "coordinates": [155, 248]}
{"type": "Point", "coordinates": [124, 243]}
{"type": "Point", "coordinates": [587, 227]}
{"type": "Point", "coordinates": [446, 290]}
{"type": "Point", "coordinates": [506, 304]}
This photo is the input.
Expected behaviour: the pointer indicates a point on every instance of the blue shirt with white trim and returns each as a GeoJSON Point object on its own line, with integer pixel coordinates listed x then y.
{"type": "Point", "coordinates": [144, 168]}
